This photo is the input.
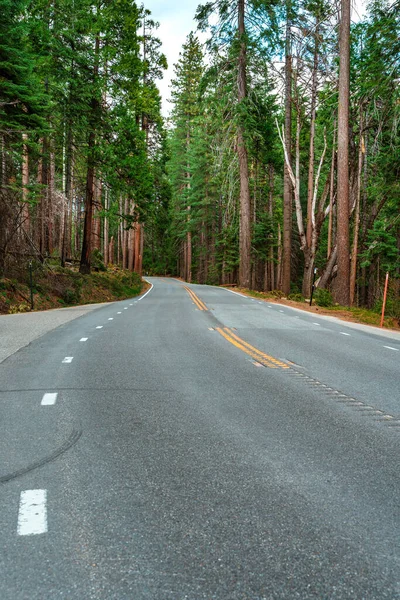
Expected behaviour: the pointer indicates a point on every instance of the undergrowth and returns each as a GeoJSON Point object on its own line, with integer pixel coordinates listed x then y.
{"type": "Point", "coordinates": [58, 287]}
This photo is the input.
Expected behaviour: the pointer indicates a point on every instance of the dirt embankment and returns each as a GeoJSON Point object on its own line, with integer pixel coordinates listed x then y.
{"type": "Point", "coordinates": [58, 288]}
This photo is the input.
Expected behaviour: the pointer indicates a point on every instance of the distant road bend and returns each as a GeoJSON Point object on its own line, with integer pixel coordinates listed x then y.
{"type": "Point", "coordinates": [197, 444]}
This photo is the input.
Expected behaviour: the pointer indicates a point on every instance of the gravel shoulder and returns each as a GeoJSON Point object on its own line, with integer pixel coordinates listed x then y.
{"type": "Point", "coordinates": [17, 331]}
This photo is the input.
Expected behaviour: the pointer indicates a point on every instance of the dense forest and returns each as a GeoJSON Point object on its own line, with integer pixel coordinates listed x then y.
{"type": "Point", "coordinates": [280, 162]}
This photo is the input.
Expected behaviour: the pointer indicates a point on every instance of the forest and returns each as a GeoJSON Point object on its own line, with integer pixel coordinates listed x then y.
{"type": "Point", "coordinates": [279, 164]}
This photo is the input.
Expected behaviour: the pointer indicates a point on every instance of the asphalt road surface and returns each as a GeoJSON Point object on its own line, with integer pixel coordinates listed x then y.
{"type": "Point", "coordinates": [196, 444]}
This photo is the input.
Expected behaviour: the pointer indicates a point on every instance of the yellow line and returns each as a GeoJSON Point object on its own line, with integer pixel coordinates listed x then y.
{"type": "Point", "coordinates": [261, 357]}
{"type": "Point", "coordinates": [276, 361]}
{"type": "Point", "coordinates": [194, 298]}
{"type": "Point", "coordinates": [199, 303]}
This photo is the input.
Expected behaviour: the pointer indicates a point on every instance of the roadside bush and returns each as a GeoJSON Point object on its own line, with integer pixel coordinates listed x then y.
{"type": "Point", "coordinates": [296, 297]}
{"type": "Point", "coordinates": [323, 297]}
{"type": "Point", "coordinates": [392, 308]}
{"type": "Point", "coordinates": [19, 308]}
{"type": "Point", "coordinates": [97, 260]}
{"type": "Point", "coordinates": [70, 296]}
{"type": "Point", "coordinates": [276, 294]}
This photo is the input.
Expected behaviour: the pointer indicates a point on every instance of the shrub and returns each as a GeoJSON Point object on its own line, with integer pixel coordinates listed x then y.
{"type": "Point", "coordinates": [296, 297]}
{"type": "Point", "coordinates": [97, 260]}
{"type": "Point", "coordinates": [276, 294]}
{"type": "Point", "coordinates": [70, 296]}
{"type": "Point", "coordinates": [19, 308]}
{"type": "Point", "coordinates": [323, 297]}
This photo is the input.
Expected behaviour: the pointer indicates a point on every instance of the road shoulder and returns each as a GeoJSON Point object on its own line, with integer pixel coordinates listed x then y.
{"type": "Point", "coordinates": [17, 331]}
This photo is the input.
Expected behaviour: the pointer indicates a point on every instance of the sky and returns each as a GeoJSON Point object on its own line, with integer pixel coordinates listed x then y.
{"type": "Point", "coordinates": [176, 20]}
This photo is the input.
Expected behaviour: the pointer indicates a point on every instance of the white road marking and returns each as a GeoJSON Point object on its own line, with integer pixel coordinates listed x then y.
{"type": "Point", "coordinates": [317, 324]}
{"type": "Point", "coordinates": [343, 333]}
{"type": "Point", "coordinates": [32, 515]}
{"type": "Point", "coordinates": [388, 417]}
{"type": "Point", "coordinates": [131, 305]}
{"type": "Point", "coordinates": [148, 292]}
{"type": "Point", "coordinates": [83, 339]}
{"type": "Point", "coordinates": [111, 319]}
{"type": "Point", "coordinates": [68, 359]}
{"type": "Point", "coordinates": [99, 327]}
{"type": "Point", "coordinates": [269, 305]}
{"type": "Point", "coordinates": [282, 311]}
{"type": "Point", "coordinates": [49, 399]}
{"type": "Point", "coordinates": [125, 308]}
{"type": "Point", "coordinates": [119, 313]}
{"type": "Point", "coordinates": [390, 348]}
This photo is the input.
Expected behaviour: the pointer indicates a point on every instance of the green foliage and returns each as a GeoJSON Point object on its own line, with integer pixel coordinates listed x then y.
{"type": "Point", "coordinates": [98, 260]}
{"type": "Point", "coordinates": [297, 297]}
{"type": "Point", "coordinates": [323, 297]}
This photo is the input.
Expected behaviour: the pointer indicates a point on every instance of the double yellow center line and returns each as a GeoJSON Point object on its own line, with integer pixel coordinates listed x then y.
{"type": "Point", "coordinates": [257, 355]}
{"type": "Point", "coordinates": [199, 303]}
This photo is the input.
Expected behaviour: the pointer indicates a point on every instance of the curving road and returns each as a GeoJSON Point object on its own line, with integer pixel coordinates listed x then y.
{"type": "Point", "coordinates": [197, 444]}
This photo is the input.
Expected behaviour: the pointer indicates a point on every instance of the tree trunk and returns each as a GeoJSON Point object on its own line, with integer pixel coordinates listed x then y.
{"type": "Point", "coordinates": [124, 236]}
{"type": "Point", "coordinates": [331, 193]}
{"type": "Point", "coordinates": [287, 185]}
{"type": "Point", "coordinates": [138, 232]}
{"type": "Point", "coordinates": [25, 184]}
{"type": "Point", "coordinates": [342, 284]}
{"type": "Point", "coordinates": [354, 254]}
{"type": "Point", "coordinates": [105, 233]}
{"type": "Point", "coordinates": [310, 187]}
{"type": "Point", "coordinates": [96, 233]}
{"type": "Point", "coordinates": [245, 204]}
{"type": "Point", "coordinates": [87, 230]}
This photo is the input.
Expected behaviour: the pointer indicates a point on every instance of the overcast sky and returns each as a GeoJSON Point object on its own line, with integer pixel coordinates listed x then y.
{"type": "Point", "coordinates": [176, 20]}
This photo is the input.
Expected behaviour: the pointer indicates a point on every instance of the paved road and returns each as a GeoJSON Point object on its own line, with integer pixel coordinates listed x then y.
{"type": "Point", "coordinates": [196, 444]}
{"type": "Point", "coordinates": [17, 331]}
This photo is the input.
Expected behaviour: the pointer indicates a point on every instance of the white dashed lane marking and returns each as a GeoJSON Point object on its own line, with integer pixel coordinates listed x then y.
{"type": "Point", "coordinates": [316, 324]}
{"type": "Point", "coordinates": [49, 399]}
{"type": "Point", "coordinates": [32, 515]}
{"type": "Point", "coordinates": [111, 319]}
{"type": "Point", "coordinates": [390, 348]}
{"type": "Point", "coordinates": [99, 327]}
{"type": "Point", "coordinates": [125, 308]}
{"type": "Point", "coordinates": [68, 359]}
{"type": "Point", "coordinates": [343, 333]}
{"type": "Point", "coordinates": [119, 313]}
{"type": "Point", "coordinates": [83, 339]}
